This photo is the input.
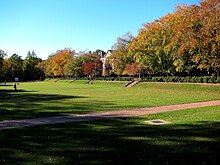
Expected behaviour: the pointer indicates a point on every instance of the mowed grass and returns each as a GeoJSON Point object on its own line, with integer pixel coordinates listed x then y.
{"type": "Point", "coordinates": [49, 98]}
{"type": "Point", "coordinates": [192, 137]}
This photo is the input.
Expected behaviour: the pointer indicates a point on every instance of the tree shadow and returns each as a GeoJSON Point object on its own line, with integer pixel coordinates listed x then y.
{"type": "Point", "coordinates": [115, 141]}
{"type": "Point", "coordinates": [29, 104]}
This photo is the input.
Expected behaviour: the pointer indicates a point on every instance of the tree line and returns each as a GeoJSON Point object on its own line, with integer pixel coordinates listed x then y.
{"type": "Point", "coordinates": [66, 63]}
{"type": "Point", "coordinates": [184, 43]}
{"type": "Point", "coordinates": [63, 63]}
{"type": "Point", "coordinates": [15, 67]}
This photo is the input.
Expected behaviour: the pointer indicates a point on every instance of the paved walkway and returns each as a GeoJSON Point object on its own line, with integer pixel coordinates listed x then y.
{"type": "Point", "coordinates": [9, 124]}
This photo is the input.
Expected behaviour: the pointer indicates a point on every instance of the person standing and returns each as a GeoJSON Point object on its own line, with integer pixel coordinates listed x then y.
{"type": "Point", "coordinates": [15, 87]}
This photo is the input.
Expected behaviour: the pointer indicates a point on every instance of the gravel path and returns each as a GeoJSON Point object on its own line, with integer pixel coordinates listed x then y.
{"type": "Point", "coordinates": [9, 124]}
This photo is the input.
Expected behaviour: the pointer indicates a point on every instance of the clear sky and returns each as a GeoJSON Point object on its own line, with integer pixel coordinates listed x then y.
{"type": "Point", "coordinates": [46, 26]}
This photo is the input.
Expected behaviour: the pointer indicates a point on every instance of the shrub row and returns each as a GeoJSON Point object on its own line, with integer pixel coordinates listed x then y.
{"type": "Point", "coordinates": [204, 79]}
{"type": "Point", "coordinates": [115, 78]}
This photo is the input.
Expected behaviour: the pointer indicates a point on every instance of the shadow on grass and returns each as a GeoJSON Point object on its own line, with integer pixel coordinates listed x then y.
{"type": "Point", "coordinates": [29, 104]}
{"type": "Point", "coordinates": [116, 141]}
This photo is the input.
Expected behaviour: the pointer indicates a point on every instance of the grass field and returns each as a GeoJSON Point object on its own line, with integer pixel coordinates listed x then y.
{"type": "Point", "coordinates": [192, 137]}
{"type": "Point", "coordinates": [51, 98]}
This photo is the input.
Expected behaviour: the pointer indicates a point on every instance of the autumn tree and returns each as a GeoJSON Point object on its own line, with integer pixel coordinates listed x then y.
{"type": "Point", "coordinates": [92, 64]}
{"type": "Point", "coordinates": [210, 35]}
{"type": "Point", "coordinates": [56, 64]}
{"type": "Point", "coordinates": [132, 69]}
{"type": "Point", "coordinates": [92, 68]}
{"type": "Point", "coordinates": [76, 66]}
{"type": "Point", "coordinates": [120, 57]}
{"type": "Point", "coordinates": [150, 47]}
{"type": "Point", "coordinates": [197, 42]}
{"type": "Point", "coordinates": [88, 69]}
{"type": "Point", "coordinates": [186, 41]}
{"type": "Point", "coordinates": [46, 66]}
{"type": "Point", "coordinates": [5, 70]}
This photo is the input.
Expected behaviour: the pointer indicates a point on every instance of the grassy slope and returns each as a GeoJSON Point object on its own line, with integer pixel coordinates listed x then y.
{"type": "Point", "coordinates": [62, 97]}
{"type": "Point", "coordinates": [191, 138]}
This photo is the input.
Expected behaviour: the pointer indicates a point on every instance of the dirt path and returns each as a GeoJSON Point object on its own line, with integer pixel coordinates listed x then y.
{"type": "Point", "coordinates": [9, 124]}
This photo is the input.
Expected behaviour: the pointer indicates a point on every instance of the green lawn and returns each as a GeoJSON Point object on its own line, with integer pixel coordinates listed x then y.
{"type": "Point", "coordinates": [191, 138]}
{"type": "Point", "coordinates": [51, 98]}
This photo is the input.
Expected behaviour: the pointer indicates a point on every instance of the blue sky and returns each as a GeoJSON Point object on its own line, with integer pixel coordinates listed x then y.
{"type": "Point", "coordinates": [49, 25]}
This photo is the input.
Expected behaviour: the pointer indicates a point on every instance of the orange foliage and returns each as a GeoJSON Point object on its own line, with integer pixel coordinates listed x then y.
{"type": "Point", "coordinates": [57, 62]}
{"type": "Point", "coordinates": [132, 69]}
{"type": "Point", "coordinates": [190, 37]}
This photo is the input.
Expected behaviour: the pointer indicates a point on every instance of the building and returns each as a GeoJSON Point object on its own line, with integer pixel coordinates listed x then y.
{"type": "Point", "coordinates": [107, 64]}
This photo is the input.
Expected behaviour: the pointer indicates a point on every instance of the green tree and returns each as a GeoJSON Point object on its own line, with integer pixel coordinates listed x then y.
{"type": "Point", "coordinates": [30, 71]}
{"type": "Point", "coordinates": [5, 70]}
{"type": "Point", "coordinates": [76, 66]}
{"type": "Point", "coordinates": [16, 66]}
{"type": "Point", "coordinates": [2, 55]}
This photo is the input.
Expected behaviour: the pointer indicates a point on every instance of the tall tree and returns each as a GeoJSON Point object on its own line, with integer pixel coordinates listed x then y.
{"type": "Point", "coordinates": [33, 54]}
{"type": "Point", "coordinates": [76, 66]}
{"type": "Point", "coordinates": [120, 56]}
{"type": "Point", "coordinates": [210, 35]}
{"type": "Point", "coordinates": [16, 66]}
{"type": "Point", "coordinates": [150, 48]}
{"type": "Point", "coordinates": [2, 55]}
{"type": "Point", "coordinates": [187, 38]}
{"type": "Point", "coordinates": [5, 70]}
{"type": "Point", "coordinates": [197, 42]}
{"type": "Point", "coordinates": [30, 71]}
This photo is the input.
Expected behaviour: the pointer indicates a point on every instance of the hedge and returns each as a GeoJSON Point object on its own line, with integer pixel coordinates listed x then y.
{"type": "Point", "coordinates": [189, 79]}
{"type": "Point", "coordinates": [204, 79]}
